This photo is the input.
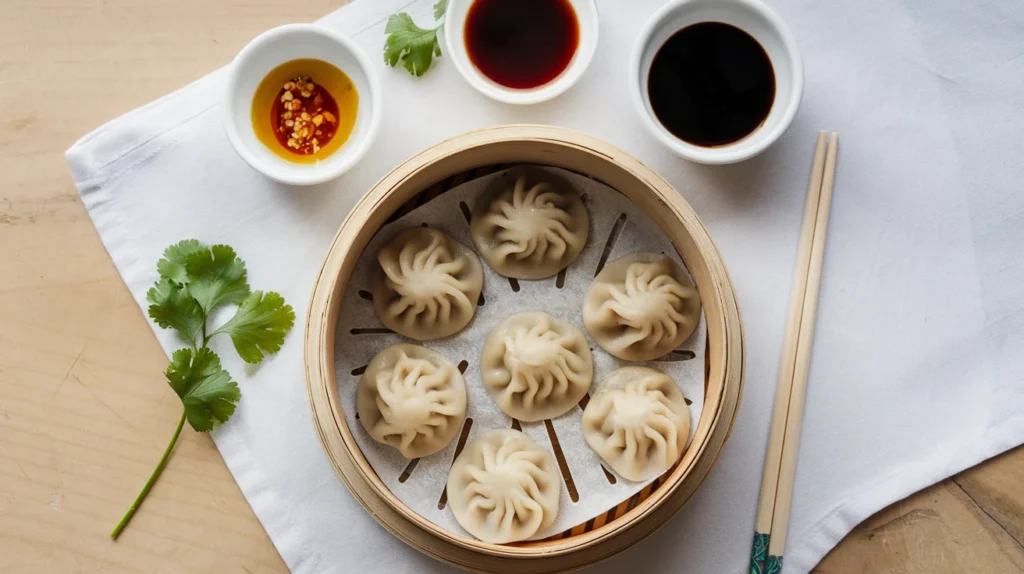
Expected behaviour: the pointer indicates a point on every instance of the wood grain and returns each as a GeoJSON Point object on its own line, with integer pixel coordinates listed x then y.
{"type": "Point", "coordinates": [84, 411]}
{"type": "Point", "coordinates": [936, 531]}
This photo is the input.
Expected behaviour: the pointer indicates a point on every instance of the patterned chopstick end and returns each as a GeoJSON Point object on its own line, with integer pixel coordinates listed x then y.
{"type": "Point", "coordinates": [759, 553]}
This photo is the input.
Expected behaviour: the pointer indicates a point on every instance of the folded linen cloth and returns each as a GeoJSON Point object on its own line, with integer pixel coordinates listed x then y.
{"type": "Point", "coordinates": [917, 366]}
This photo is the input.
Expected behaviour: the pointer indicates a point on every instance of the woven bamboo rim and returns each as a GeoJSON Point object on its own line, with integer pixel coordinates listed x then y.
{"type": "Point", "coordinates": [584, 544]}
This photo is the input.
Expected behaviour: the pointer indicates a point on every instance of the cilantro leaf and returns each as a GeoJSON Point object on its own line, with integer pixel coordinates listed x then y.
{"type": "Point", "coordinates": [439, 9]}
{"type": "Point", "coordinates": [259, 326]}
{"type": "Point", "coordinates": [172, 266]}
{"type": "Point", "coordinates": [206, 390]}
{"type": "Point", "coordinates": [195, 280]}
{"type": "Point", "coordinates": [174, 308]}
{"type": "Point", "coordinates": [216, 276]}
{"type": "Point", "coordinates": [410, 44]}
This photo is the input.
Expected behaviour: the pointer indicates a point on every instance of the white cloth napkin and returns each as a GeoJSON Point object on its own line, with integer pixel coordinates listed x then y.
{"type": "Point", "coordinates": [917, 365]}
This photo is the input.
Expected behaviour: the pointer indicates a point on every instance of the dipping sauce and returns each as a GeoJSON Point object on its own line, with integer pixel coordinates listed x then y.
{"type": "Point", "coordinates": [521, 44]}
{"type": "Point", "coordinates": [304, 110]}
{"type": "Point", "coordinates": [711, 84]}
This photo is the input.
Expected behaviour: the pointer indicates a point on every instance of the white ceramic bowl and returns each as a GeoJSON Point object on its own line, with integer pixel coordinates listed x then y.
{"type": "Point", "coordinates": [455, 39]}
{"type": "Point", "coordinates": [763, 25]}
{"type": "Point", "coordinates": [273, 48]}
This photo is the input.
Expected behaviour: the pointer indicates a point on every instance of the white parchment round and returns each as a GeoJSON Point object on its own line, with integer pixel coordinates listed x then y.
{"type": "Point", "coordinates": [355, 346]}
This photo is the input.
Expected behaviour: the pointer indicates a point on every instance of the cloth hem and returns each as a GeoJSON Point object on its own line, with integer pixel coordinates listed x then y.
{"type": "Point", "coordinates": [818, 540]}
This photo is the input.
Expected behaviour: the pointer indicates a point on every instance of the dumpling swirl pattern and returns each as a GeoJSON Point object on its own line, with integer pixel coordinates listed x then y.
{"type": "Point", "coordinates": [531, 229]}
{"type": "Point", "coordinates": [504, 487]}
{"type": "Point", "coordinates": [411, 398]}
{"type": "Point", "coordinates": [641, 306]}
{"type": "Point", "coordinates": [427, 284]}
{"type": "Point", "coordinates": [637, 422]}
{"type": "Point", "coordinates": [535, 366]}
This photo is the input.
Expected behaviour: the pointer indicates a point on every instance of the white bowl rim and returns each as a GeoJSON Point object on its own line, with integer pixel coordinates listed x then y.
{"type": "Point", "coordinates": [747, 147]}
{"type": "Point", "coordinates": [297, 174]}
{"type": "Point", "coordinates": [577, 67]}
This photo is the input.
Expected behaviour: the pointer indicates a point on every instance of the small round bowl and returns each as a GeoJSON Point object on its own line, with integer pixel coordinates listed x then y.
{"type": "Point", "coordinates": [268, 51]}
{"type": "Point", "coordinates": [455, 39]}
{"type": "Point", "coordinates": [763, 25]}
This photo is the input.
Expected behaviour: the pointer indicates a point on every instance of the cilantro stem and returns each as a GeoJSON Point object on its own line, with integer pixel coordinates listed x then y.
{"type": "Point", "coordinates": [149, 483]}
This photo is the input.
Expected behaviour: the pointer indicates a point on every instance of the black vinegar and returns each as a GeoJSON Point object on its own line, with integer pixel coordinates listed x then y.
{"type": "Point", "coordinates": [521, 44]}
{"type": "Point", "coordinates": [711, 84]}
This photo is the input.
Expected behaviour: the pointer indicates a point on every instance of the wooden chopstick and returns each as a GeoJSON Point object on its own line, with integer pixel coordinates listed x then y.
{"type": "Point", "coordinates": [783, 441]}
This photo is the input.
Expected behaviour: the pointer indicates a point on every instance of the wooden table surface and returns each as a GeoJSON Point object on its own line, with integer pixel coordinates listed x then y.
{"type": "Point", "coordinates": [84, 409]}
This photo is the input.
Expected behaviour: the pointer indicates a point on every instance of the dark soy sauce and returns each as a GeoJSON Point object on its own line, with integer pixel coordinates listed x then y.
{"type": "Point", "coordinates": [711, 84]}
{"type": "Point", "coordinates": [521, 44]}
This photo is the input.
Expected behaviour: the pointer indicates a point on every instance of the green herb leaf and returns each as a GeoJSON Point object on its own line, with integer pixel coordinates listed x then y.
{"type": "Point", "coordinates": [206, 390]}
{"type": "Point", "coordinates": [410, 44]}
{"type": "Point", "coordinates": [174, 308]}
{"type": "Point", "coordinates": [440, 8]}
{"type": "Point", "coordinates": [259, 326]}
{"type": "Point", "coordinates": [216, 276]}
{"type": "Point", "coordinates": [172, 266]}
{"type": "Point", "coordinates": [195, 280]}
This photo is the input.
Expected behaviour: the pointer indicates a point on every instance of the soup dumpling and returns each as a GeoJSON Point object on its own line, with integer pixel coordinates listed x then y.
{"type": "Point", "coordinates": [535, 366]}
{"type": "Point", "coordinates": [637, 422]}
{"type": "Point", "coordinates": [530, 224]}
{"type": "Point", "coordinates": [411, 398]}
{"type": "Point", "coordinates": [641, 306]}
{"type": "Point", "coordinates": [504, 487]}
{"type": "Point", "coordinates": [426, 285]}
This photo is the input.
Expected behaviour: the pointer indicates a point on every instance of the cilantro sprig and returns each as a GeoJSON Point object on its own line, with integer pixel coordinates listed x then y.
{"type": "Point", "coordinates": [195, 280]}
{"type": "Point", "coordinates": [411, 45]}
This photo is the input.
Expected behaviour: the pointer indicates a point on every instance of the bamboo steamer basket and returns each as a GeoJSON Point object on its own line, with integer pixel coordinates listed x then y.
{"type": "Point", "coordinates": [447, 164]}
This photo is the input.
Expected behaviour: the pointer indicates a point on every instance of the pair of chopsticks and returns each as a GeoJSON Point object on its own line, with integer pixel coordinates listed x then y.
{"type": "Point", "coordinates": [784, 438]}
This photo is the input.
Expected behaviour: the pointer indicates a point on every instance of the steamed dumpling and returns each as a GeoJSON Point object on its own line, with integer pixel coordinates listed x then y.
{"type": "Point", "coordinates": [426, 285]}
{"type": "Point", "coordinates": [411, 398]}
{"type": "Point", "coordinates": [637, 422]}
{"type": "Point", "coordinates": [530, 224]}
{"type": "Point", "coordinates": [504, 487]}
{"type": "Point", "coordinates": [641, 306]}
{"type": "Point", "coordinates": [535, 366]}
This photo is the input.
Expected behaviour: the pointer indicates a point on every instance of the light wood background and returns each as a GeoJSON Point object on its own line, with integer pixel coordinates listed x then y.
{"type": "Point", "coordinates": [84, 410]}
